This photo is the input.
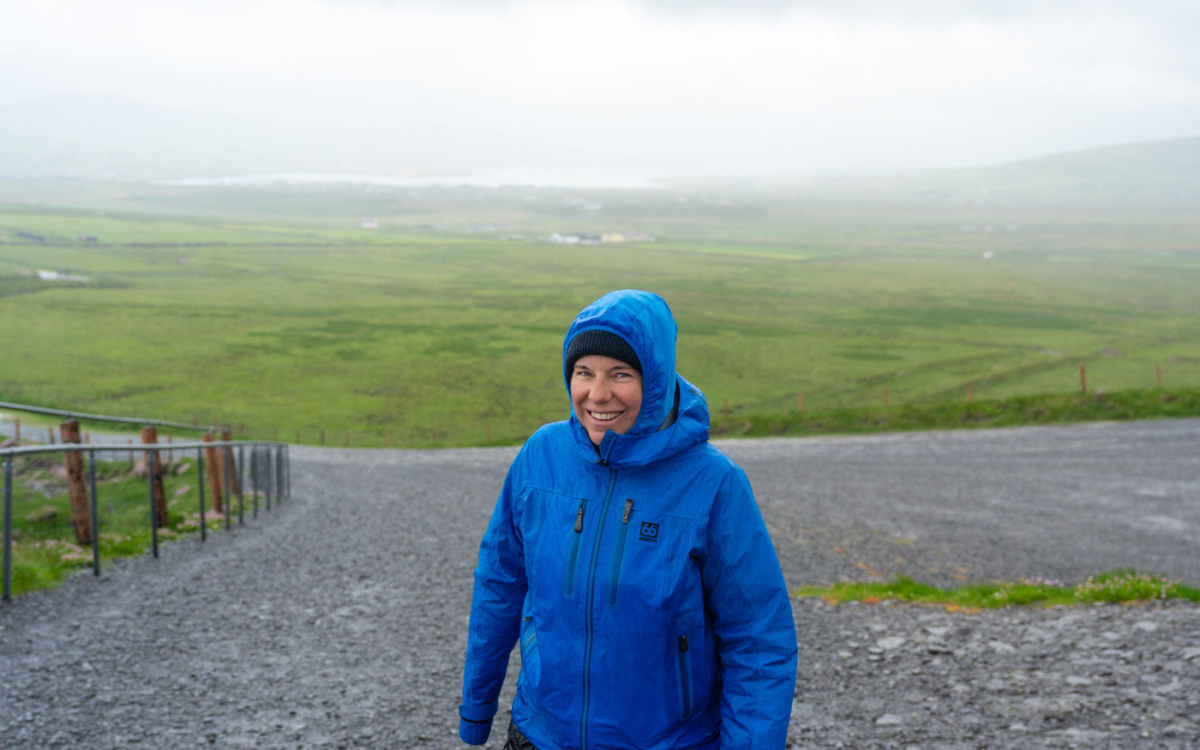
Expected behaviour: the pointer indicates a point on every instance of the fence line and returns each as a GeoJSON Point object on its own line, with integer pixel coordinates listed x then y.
{"type": "Point", "coordinates": [272, 478]}
{"type": "Point", "coordinates": [100, 417]}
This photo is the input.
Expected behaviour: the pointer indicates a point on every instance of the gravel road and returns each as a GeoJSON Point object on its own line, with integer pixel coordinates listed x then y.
{"type": "Point", "coordinates": [339, 619]}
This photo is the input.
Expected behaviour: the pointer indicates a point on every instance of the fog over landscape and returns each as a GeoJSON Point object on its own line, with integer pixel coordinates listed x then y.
{"type": "Point", "coordinates": [612, 93]}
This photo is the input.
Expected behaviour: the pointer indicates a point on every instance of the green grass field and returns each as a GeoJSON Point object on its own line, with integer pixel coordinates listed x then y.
{"type": "Point", "coordinates": [274, 309]}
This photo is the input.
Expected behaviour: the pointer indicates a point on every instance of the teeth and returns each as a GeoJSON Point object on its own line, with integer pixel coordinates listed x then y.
{"type": "Point", "coordinates": [604, 417]}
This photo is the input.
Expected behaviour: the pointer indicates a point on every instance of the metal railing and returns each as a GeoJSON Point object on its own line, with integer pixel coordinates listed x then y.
{"type": "Point", "coordinates": [270, 473]}
{"type": "Point", "coordinates": [101, 417]}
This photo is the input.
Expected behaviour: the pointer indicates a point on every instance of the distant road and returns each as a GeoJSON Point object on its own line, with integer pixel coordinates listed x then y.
{"type": "Point", "coordinates": [339, 619]}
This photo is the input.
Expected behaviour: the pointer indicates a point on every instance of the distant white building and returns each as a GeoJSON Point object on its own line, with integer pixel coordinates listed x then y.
{"type": "Point", "coordinates": [370, 224]}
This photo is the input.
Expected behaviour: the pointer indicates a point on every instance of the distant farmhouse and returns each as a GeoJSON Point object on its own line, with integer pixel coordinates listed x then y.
{"type": "Point", "coordinates": [585, 238]}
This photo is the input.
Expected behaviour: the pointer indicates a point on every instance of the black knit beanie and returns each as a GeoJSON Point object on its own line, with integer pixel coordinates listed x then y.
{"type": "Point", "coordinates": [600, 342]}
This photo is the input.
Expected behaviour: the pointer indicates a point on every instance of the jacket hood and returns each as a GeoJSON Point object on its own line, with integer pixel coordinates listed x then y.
{"type": "Point", "coordinates": [644, 321]}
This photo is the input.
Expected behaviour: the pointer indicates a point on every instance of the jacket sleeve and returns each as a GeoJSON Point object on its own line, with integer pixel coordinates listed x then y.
{"type": "Point", "coordinates": [495, 617]}
{"type": "Point", "coordinates": [752, 621]}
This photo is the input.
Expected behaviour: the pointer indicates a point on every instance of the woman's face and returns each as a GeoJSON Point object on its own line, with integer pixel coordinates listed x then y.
{"type": "Point", "coordinates": [606, 394]}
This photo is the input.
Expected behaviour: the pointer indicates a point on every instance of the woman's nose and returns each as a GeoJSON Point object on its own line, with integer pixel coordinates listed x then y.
{"type": "Point", "coordinates": [601, 391]}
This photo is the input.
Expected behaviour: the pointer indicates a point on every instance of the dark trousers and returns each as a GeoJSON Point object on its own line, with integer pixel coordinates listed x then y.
{"type": "Point", "coordinates": [516, 740]}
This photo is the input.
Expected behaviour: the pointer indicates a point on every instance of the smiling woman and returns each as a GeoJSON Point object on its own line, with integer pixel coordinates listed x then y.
{"type": "Point", "coordinates": [628, 558]}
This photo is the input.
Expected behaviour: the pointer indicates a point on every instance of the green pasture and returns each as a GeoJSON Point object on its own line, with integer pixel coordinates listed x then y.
{"type": "Point", "coordinates": [285, 315]}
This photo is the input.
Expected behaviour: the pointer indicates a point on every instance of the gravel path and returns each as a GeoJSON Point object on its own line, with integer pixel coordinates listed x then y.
{"type": "Point", "coordinates": [339, 619]}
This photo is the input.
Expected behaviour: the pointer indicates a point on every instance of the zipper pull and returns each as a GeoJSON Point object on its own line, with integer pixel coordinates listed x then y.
{"type": "Point", "coordinates": [579, 519]}
{"type": "Point", "coordinates": [683, 646]}
{"type": "Point", "coordinates": [628, 507]}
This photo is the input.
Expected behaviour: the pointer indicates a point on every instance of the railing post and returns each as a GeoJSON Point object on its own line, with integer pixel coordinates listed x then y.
{"type": "Point", "coordinates": [254, 475]}
{"type": "Point", "coordinates": [279, 473]}
{"type": "Point", "coordinates": [227, 436]}
{"type": "Point", "coordinates": [8, 528]}
{"type": "Point", "coordinates": [227, 459]}
{"type": "Point", "coordinates": [241, 468]}
{"type": "Point", "coordinates": [214, 473]}
{"type": "Point", "coordinates": [73, 463]}
{"type": "Point", "coordinates": [266, 472]}
{"type": "Point", "coordinates": [150, 471]}
{"type": "Point", "coordinates": [149, 436]}
{"type": "Point", "coordinates": [200, 491]}
{"type": "Point", "coordinates": [94, 507]}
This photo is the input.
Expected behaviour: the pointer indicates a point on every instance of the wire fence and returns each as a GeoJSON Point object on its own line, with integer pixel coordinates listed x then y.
{"type": "Point", "coordinates": [268, 473]}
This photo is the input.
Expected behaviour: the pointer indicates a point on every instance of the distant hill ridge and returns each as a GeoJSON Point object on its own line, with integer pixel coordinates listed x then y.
{"type": "Point", "coordinates": [1157, 173]}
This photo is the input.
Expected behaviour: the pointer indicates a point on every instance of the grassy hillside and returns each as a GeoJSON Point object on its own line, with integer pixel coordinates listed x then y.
{"type": "Point", "coordinates": [287, 315]}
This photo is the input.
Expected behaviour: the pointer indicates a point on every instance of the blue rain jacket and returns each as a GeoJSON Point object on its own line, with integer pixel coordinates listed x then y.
{"type": "Point", "coordinates": [637, 576]}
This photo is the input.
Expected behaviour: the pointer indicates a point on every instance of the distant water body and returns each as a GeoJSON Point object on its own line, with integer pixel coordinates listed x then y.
{"type": "Point", "coordinates": [613, 179]}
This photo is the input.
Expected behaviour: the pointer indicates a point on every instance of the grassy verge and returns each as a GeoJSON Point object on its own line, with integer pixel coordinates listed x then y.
{"type": "Point", "coordinates": [1118, 586]}
{"type": "Point", "coordinates": [45, 550]}
{"type": "Point", "coordinates": [1151, 403]}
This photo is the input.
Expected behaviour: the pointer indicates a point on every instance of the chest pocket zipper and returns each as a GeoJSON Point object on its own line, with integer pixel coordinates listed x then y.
{"type": "Point", "coordinates": [614, 574]}
{"type": "Point", "coordinates": [573, 558]}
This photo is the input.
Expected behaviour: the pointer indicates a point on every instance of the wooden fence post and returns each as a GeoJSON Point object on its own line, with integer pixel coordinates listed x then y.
{"type": "Point", "coordinates": [78, 490]}
{"type": "Point", "coordinates": [227, 455]}
{"type": "Point", "coordinates": [387, 439]}
{"type": "Point", "coordinates": [1158, 375]}
{"type": "Point", "coordinates": [726, 408]}
{"type": "Point", "coordinates": [50, 432]}
{"type": "Point", "coordinates": [216, 483]}
{"type": "Point", "coordinates": [885, 398]}
{"type": "Point", "coordinates": [799, 402]}
{"type": "Point", "coordinates": [150, 437]}
{"type": "Point", "coordinates": [1082, 378]}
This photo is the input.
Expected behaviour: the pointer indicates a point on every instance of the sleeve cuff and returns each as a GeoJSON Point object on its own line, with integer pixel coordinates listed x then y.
{"type": "Point", "coordinates": [474, 732]}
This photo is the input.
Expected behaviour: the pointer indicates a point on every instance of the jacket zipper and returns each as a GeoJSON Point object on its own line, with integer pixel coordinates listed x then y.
{"type": "Point", "coordinates": [574, 556]}
{"type": "Point", "coordinates": [685, 677]}
{"type": "Point", "coordinates": [591, 590]}
{"type": "Point", "coordinates": [614, 573]}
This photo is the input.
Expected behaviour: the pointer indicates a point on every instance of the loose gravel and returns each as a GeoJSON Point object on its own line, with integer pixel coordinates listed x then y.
{"type": "Point", "coordinates": [339, 619]}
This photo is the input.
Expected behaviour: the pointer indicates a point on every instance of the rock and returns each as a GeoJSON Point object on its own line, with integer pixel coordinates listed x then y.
{"type": "Point", "coordinates": [887, 644]}
{"type": "Point", "coordinates": [938, 647]}
{"type": "Point", "coordinates": [1146, 626]}
{"type": "Point", "coordinates": [889, 720]}
{"type": "Point", "coordinates": [937, 632]}
{"type": "Point", "coordinates": [1078, 681]}
{"type": "Point", "coordinates": [45, 515]}
{"type": "Point", "coordinates": [1000, 647]}
{"type": "Point", "coordinates": [1191, 654]}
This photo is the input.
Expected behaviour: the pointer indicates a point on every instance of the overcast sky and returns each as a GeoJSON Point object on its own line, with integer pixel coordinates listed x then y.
{"type": "Point", "coordinates": [665, 86]}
